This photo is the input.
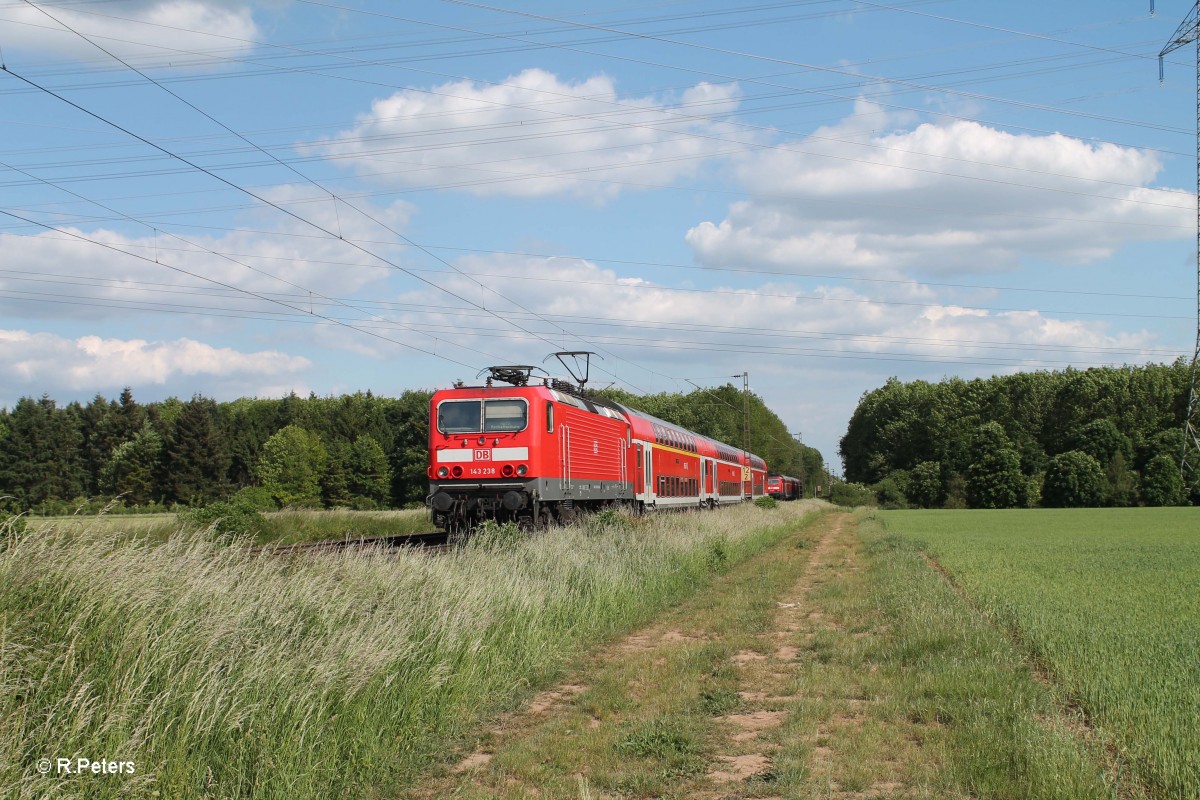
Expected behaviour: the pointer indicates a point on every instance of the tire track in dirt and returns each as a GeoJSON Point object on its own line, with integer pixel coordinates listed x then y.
{"type": "Point", "coordinates": [743, 749]}
{"type": "Point", "coordinates": [740, 743]}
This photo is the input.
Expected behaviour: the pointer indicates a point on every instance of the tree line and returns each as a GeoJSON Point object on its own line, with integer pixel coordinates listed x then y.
{"type": "Point", "coordinates": [1108, 436]}
{"type": "Point", "coordinates": [354, 451]}
{"type": "Point", "coordinates": [357, 451]}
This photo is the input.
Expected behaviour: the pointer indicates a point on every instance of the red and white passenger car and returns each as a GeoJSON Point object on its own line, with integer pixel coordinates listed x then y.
{"type": "Point", "coordinates": [537, 454]}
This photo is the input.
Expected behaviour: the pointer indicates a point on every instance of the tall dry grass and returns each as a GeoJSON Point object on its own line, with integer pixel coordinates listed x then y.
{"type": "Point", "coordinates": [225, 671]}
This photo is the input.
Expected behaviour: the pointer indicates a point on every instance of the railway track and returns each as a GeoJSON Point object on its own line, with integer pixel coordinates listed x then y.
{"type": "Point", "coordinates": [434, 541]}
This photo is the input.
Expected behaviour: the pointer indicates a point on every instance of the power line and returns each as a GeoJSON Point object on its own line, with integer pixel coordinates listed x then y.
{"type": "Point", "coordinates": [275, 205]}
{"type": "Point", "coordinates": [228, 286]}
{"type": "Point", "coordinates": [475, 275]}
{"type": "Point", "coordinates": [639, 109]}
{"type": "Point", "coordinates": [641, 344]}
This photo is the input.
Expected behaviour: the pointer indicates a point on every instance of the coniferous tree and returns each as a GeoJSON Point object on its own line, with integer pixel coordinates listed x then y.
{"type": "Point", "coordinates": [368, 472]}
{"type": "Point", "coordinates": [39, 456]}
{"type": "Point", "coordinates": [195, 458]}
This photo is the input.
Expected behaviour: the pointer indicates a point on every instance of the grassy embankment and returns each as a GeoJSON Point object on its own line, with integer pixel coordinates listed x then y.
{"type": "Point", "coordinates": [283, 527]}
{"type": "Point", "coordinates": [222, 671]}
{"type": "Point", "coordinates": [1107, 602]}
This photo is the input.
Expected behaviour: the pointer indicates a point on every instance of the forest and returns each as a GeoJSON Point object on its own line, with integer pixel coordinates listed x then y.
{"type": "Point", "coordinates": [1108, 436]}
{"type": "Point", "coordinates": [359, 451]}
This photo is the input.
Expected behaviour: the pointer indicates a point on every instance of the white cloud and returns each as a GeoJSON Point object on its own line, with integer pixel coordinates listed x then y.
{"type": "Point", "coordinates": [939, 198]}
{"type": "Point", "coordinates": [46, 362]}
{"type": "Point", "coordinates": [569, 137]}
{"type": "Point", "coordinates": [676, 330]}
{"type": "Point", "coordinates": [136, 28]}
{"type": "Point", "coordinates": [60, 275]}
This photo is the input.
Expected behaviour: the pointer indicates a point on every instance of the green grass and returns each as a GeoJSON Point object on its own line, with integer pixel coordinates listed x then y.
{"type": "Point", "coordinates": [283, 527]}
{"type": "Point", "coordinates": [1108, 601]}
{"type": "Point", "coordinates": [222, 671]}
{"type": "Point", "coordinates": [287, 527]}
{"type": "Point", "coordinates": [910, 692]}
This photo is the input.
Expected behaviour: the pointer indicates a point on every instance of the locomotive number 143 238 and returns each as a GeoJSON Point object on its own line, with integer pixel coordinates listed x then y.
{"type": "Point", "coordinates": [481, 471]}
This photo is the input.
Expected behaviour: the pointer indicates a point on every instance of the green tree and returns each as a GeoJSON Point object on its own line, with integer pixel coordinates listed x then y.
{"type": "Point", "coordinates": [290, 466]}
{"type": "Point", "coordinates": [195, 458]}
{"type": "Point", "coordinates": [40, 456]}
{"type": "Point", "coordinates": [133, 468]}
{"type": "Point", "coordinates": [1162, 485]}
{"type": "Point", "coordinates": [1101, 439]}
{"type": "Point", "coordinates": [247, 423]}
{"type": "Point", "coordinates": [1073, 479]}
{"type": "Point", "coordinates": [925, 485]}
{"type": "Point", "coordinates": [994, 479]}
{"type": "Point", "coordinates": [368, 473]}
{"type": "Point", "coordinates": [409, 456]}
{"type": "Point", "coordinates": [335, 479]}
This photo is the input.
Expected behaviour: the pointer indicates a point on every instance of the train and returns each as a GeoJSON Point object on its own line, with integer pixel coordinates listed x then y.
{"type": "Point", "coordinates": [541, 454]}
{"type": "Point", "coordinates": [784, 487]}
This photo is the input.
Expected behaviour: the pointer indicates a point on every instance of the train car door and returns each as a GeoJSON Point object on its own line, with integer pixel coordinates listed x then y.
{"type": "Point", "coordinates": [639, 471]}
{"type": "Point", "coordinates": [649, 467]}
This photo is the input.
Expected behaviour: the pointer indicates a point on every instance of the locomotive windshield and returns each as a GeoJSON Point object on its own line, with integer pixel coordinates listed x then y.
{"type": "Point", "coordinates": [504, 416]}
{"type": "Point", "coordinates": [460, 416]}
{"type": "Point", "coordinates": [482, 416]}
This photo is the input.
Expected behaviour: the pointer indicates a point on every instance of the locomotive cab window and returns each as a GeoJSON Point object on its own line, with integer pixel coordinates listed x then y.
{"type": "Point", "coordinates": [504, 416]}
{"type": "Point", "coordinates": [482, 416]}
{"type": "Point", "coordinates": [459, 416]}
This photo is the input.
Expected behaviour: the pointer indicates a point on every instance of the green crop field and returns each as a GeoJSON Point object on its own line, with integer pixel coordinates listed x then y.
{"type": "Point", "coordinates": [1108, 601]}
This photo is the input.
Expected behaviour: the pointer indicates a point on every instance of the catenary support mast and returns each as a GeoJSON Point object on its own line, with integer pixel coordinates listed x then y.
{"type": "Point", "coordinates": [1187, 33]}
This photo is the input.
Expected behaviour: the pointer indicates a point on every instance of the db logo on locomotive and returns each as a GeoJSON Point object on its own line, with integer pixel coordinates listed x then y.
{"type": "Point", "coordinates": [483, 455]}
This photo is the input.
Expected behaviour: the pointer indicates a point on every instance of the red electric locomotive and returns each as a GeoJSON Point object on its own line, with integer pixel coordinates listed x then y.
{"type": "Point", "coordinates": [782, 487]}
{"type": "Point", "coordinates": [536, 454]}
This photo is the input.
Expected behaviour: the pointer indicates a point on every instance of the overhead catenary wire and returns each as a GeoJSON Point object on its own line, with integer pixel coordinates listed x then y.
{"type": "Point", "coordinates": [306, 178]}
{"type": "Point", "coordinates": [451, 327]}
{"type": "Point", "coordinates": [259, 198]}
{"type": "Point", "coordinates": [795, 296]}
{"type": "Point", "coordinates": [246, 291]}
{"type": "Point", "coordinates": [642, 344]}
{"type": "Point", "coordinates": [851, 278]}
{"type": "Point", "coordinates": [586, 259]}
{"type": "Point", "coordinates": [759, 145]}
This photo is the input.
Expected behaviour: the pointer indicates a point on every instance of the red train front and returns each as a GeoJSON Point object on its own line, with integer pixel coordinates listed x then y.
{"type": "Point", "coordinates": [537, 454]}
{"type": "Point", "coordinates": [784, 487]}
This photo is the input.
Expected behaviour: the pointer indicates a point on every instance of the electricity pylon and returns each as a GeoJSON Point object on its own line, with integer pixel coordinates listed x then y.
{"type": "Point", "coordinates": [1188, 32]}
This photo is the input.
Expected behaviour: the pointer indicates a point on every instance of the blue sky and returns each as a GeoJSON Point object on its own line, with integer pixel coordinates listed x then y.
{"type": "Point", "coordinates": [249, 198]}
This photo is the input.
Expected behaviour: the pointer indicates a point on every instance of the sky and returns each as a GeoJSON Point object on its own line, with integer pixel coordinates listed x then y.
{"type": "Point", "coordinates": [235, 198]}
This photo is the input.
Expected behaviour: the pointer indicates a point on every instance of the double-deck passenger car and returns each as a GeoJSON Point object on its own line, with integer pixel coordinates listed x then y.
{"type": "Point", "coordinates": [535, 454]}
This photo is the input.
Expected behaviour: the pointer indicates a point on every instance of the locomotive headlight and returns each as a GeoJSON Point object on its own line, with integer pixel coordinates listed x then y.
{"type": "Point", "coordinates": [507, 470]}
{"type": "Point", "coordinates": [521, 470]}
{"type": "Point", "coordinates": [443, 472]}
{"type": "Point", "coordinates": [457, 472]}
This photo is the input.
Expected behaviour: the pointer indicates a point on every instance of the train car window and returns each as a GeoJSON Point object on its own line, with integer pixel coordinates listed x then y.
{"type": "Point", "coordinates": [459, 416]}
{"type": "Point", "coordinates": [549, 416]}
{"type": "Point", "coordinates": [504, 416]}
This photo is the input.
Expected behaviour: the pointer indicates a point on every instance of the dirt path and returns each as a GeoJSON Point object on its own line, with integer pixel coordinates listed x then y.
{"type": "Point", "coordinates": [733, 694]}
